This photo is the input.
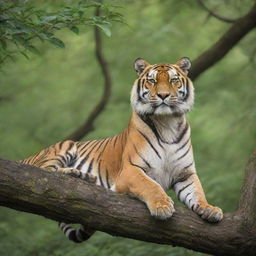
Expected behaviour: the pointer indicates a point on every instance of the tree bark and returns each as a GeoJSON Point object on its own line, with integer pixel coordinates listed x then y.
{"type": "Point", "coordinates": [88, 124]}
{"type": "Point", "coordinates": [63, 198]}
{"type": "Point", "coordinates": [235, 33]}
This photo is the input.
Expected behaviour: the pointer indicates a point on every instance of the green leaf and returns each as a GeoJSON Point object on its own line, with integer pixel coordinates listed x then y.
{"type": "Point", "coordinates": [25, 55]}
{"type": "Point", "coordinates": [74, 29]}
{"type": "Point", "coordinates": [49, 18]}
{"type": "Point", "coordinates": [33, 49]}
{"type": "Point", "coordinates": [105, 28]}
{"type": "Point", "coordinates": [57, 42]}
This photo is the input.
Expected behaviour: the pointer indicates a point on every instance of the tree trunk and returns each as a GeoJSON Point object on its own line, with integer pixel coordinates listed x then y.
{"type": "Point", "coordinates": [63, 198]}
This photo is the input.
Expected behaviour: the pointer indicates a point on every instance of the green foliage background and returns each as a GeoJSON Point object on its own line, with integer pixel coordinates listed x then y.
{"type": "Point", "coordinates": [43, 99]}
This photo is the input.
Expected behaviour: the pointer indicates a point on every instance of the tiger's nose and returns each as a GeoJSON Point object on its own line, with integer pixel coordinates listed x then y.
{"type": "Point", "coordinates": [163, 95]}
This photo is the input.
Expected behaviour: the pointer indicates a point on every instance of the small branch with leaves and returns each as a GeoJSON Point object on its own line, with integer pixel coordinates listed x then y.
{"type": "Point", "coordinates": [22, 24]}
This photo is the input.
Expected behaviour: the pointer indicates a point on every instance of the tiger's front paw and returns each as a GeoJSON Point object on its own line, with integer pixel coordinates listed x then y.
{"type": "Point", "coordinates": [162, 209]}
{"type": "Point", "coordinates": [209, 213]}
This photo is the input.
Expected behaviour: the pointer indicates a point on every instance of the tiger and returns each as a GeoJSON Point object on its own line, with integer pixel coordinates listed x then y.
{"type": "Point", "coordinates": [152, 155]}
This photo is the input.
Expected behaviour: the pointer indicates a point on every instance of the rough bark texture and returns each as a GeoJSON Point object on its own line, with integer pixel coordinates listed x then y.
{"type": "Point", "coordinates": [63, 198]}
{"type": "Point", "coordinates": [88, 124]}
{"type": "Point", "coordinates": [235, 33]}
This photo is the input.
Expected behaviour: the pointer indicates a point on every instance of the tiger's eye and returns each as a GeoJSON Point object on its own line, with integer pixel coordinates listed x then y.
{"type": "Point", "coordinates": [152, 81]}
{"type": "Point", "coordinates": [174, 80]}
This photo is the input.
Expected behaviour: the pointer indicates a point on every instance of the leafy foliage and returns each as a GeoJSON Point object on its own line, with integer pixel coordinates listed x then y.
{"type": "Point", "coordinates": [21, 24]}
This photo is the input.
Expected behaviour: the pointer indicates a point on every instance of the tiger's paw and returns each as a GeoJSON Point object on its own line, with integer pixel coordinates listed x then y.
{"type": "Point", "coordinates": [162, 209]}
{"type": "Point", "coordinates": [90, 178]}
{"type": "Point", "coordinates": [210, 213]}
{"type": "Point", "coordinates": [70, 171]}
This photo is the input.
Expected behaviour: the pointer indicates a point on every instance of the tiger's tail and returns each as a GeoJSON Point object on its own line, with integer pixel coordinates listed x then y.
{"type": "Point", "coordinates": [76, 235]}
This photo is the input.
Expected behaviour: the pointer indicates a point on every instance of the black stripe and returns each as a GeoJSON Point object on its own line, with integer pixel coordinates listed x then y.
{"type": "Point", "coordinates": [182, 179]}
{"type": "Point", "coordinates": [102, 151]}
{"type": "Point", "coordinates": [130, 161]}
{"type": "Point", "coordinates": [178, 196]}
{"type": "Point", "coordinates": [138, 89]}
{"type": "Point", "coordinates": [99, 173]}
{"type": "Point", "coordinates": [187, 88]}
{"type": "Point", "coordinates": [84, 235]}
{"type": "Point", "coordinates": [69, 156]}
{"type": "Point", "coordinates": [72, 236]}
{"type": "Point", "coordinates": [146, 119]}
{"type": "Point", "coordinates": [86, 148]}
{"type": "Point", "coordinates": [63, 159]}
{"type": "Point", "coordinates": [107, 179]}
{"type": "Point", "coordinates": [66, 228]}
{"type": "Point", "coordinates": [79, 167]}
{"type": "Point", "coordinates": [187, 196]}
{"type": "Point", "coordinates": [186, 167]}
{"type": "Point", "coordinates": [184, 131]}
{"type": "Point", "coordinates": [184, 153]}
{"type": "Point", "coordinates": [61, 144]}
{"type": "Point", "coordinates": [100, 143]}
{"type": "Point", "coordinates": [83, 145]}
{"type": "Point", "coordinates": [54, 159]}
{"type": "Point", "coordinates": [143, 159]}
{"type": "Point", "coordinates": [32, 158]}
{"type": "Point", "coordinates": [183, 145]}
{"type": "Point", "coordinates": [71, 144]}
{"type": "Point", "coordinates": [90, 166]}
{"type": "Point", "coordinates": [149, 142]}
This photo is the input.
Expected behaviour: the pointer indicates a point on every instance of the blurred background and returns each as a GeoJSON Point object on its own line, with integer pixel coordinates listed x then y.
{"type": "Point", "coordinates": [45, 98]}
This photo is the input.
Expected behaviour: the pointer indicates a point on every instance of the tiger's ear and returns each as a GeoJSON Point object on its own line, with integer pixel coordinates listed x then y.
{"type": "Point", "coordinates": [184, 64]}
{"type": "Point", "coordinates": [140, 65]}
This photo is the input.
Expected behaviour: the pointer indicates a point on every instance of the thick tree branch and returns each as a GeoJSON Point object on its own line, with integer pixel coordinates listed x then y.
{"type": "Point", "coordinates": [236, 32]}
{"type": "Point", "coordinates": [212, 13]}
{"type": "Point", "coordinates": [63, 198]}
{"type": "Point", "coordinates": [88, 125]}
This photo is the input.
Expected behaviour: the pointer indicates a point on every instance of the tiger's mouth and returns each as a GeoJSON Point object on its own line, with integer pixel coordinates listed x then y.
{"type": "Point", "coordinates": [171, 104]}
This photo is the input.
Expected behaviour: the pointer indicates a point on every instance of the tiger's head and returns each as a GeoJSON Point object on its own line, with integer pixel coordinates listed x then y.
{"type": "Point", "coordinates": [162, 89]}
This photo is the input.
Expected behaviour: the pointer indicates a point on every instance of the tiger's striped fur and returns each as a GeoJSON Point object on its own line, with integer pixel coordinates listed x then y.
{"type": "Point", "coordinates": [152, 155]}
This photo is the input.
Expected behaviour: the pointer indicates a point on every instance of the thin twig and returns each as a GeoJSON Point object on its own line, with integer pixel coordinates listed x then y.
{"type": "Point", "coordinates": [212, 13]}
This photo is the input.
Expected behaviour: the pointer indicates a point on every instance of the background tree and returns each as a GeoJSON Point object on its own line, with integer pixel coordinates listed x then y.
{"type": "Point", "coordinates": [49, 97]}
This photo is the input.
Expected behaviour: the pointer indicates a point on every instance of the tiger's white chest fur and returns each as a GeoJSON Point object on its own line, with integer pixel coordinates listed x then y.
{"type": "Point", "coordinates": [173, 151]}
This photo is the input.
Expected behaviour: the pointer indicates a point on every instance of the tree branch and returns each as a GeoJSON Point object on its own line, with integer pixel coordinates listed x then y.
{"type": "Point", "coordinates": [236, 32]}
{"type": "Point", "coordinates": [63, 198]}
{"type": "Point", "coordinates": [88, 125]}
{"type": "Point", "coordinates": [217, 16]}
